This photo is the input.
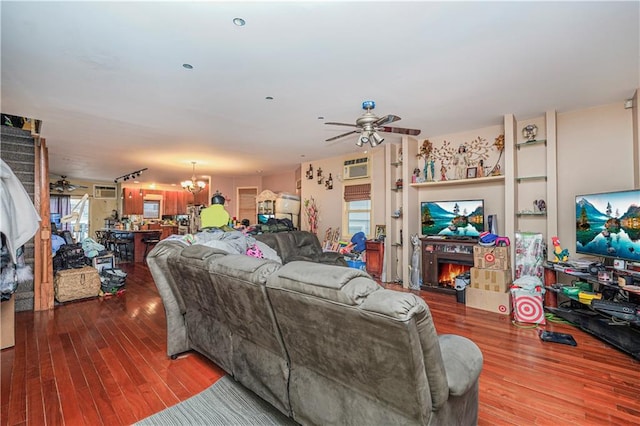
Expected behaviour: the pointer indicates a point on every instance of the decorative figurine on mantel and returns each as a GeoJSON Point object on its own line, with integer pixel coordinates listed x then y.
{"type": "Point", "coordinates": [416, 175]}
{"type": "Point", "coordinates": [426, 153]}
{"type": "Point", "coordinates": [430, 169]}
{"type": "Point", "coordinates": [443, 172]}
{"type": "Point", "coordinates": [480, 172]}
{"type": "Point", "coordinates": [461, 162]}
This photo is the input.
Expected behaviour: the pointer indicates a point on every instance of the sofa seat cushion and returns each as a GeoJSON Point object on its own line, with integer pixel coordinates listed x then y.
{"type": "Point", "coordinates": [343, 285]}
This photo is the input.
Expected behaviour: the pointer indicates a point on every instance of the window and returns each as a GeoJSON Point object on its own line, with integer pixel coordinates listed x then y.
{"type": "Point", "coordinates": [357, 208]}
{"type": "Point", "coordinates": [358, 216]}
{"type": "Point", "coordinates": [83, 228]}
{"type": "Point", "coordinates": [151, 209]}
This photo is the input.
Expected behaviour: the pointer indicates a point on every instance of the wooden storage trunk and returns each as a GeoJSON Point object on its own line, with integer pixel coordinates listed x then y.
{"type": "Point", "coordinates": [73, 284]}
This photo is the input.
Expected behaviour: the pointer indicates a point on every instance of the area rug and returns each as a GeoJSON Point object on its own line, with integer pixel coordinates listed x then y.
{"type": "Point", "coordinates": [224, 403]}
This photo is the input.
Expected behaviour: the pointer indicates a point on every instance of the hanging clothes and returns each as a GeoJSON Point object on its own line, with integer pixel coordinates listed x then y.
{"type": "Point", "coordinates": [19, 220]}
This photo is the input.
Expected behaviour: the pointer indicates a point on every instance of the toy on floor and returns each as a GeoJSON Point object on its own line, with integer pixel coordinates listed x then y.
{"type": "Point", "coordinates": [561, 255]}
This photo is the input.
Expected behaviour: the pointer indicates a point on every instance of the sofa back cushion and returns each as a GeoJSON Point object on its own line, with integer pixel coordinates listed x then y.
{"type": "Point", "coordinates": [354, 345]}
{"type": "Point", "coordinates": [260, 361]}
{"type": "Point", "coordinates": [293, 245]}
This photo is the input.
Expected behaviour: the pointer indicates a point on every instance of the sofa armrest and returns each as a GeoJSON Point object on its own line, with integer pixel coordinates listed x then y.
{"type": "Point", "coordinates": [332, 258]}
{"type": "Point", "coordinates": [462, 362]}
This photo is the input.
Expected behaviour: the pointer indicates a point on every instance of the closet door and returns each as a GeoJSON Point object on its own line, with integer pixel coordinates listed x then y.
{"type": "Point", "coordinates": [247, 204]}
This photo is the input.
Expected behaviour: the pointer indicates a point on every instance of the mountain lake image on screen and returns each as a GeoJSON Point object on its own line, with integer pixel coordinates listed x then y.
{"type": "Point", "coordinates": [608, 224]}
{"type": "Point", "coordinates": [461, 218]}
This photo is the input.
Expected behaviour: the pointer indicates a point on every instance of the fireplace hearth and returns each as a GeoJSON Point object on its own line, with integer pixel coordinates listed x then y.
{"type": "Point", "coordinates": [443, 260]}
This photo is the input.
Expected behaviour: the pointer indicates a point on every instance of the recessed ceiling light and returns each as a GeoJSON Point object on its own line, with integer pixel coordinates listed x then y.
{"type": "Point", "coordinates": [239, 22]}
{"type": "Point", "coordinates": [187, 66]}
{"type": "Point", "coordinates": [269, 98]}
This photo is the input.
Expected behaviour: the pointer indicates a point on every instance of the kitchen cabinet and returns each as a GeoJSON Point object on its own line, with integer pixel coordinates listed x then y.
{"type": "Point", "coordinates": [202, 197]}
{"type": "Point", "coordinates": [171, 203]}
{"type": "Point", "coordinates": [132, 201]}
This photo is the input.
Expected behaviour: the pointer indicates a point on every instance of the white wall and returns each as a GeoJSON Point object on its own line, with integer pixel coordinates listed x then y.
{"type": "Point", "coordinates": [595, 154]}
{"type": "Point", "coordinates": [330, 201]}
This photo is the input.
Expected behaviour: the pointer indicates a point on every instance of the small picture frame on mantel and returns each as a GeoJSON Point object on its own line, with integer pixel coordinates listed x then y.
{"type": "Point", "coordinates": [472, 172]}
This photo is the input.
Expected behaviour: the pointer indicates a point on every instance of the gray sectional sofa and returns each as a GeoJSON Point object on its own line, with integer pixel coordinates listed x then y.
{"type": "Point", "coordinates": [323, 343]}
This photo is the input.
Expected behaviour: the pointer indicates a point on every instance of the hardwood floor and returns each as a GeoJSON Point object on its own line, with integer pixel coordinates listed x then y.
{"type": "Point", "coordinates": [103, 361]}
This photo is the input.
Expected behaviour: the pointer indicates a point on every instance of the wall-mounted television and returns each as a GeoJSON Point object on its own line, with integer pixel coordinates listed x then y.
{"type": "Point", "coordinates": [608, 224]}
{"type": "Point", "coordinates": [457, 218]}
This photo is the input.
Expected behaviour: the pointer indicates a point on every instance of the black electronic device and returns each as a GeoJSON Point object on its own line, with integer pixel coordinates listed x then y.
{"type": "Point", "coordinates": [623, 310]}
{"type": "Point", "coordinates": [596, 267]}
{"type": "Point", "coordinates": [555, 337]}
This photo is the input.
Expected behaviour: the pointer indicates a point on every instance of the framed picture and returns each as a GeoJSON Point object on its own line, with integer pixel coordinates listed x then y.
{"type": "Point", "coordinates": [472, 172]}
{"type": "Point", "coordinates": [381, 232]}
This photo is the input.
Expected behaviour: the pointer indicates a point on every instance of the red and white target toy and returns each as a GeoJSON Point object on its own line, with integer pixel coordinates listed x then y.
{"type": "Point", "coordinates": [527, 306]}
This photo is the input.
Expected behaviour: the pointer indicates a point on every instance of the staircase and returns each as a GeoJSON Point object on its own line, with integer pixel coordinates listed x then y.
{"type": "Point", "coordinates": [17, 149]}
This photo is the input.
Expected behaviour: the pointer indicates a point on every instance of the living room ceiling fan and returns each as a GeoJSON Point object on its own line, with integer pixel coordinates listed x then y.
{"type": "Point", "coordinates": [369, 124]}
{"type": "Point", "coordinates": [64, 185]}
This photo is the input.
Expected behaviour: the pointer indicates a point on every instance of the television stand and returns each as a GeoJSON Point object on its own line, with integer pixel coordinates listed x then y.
{"type": "Point", "coordinates": [623, 337]}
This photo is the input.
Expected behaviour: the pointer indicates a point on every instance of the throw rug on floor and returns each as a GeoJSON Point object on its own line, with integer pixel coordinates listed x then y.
{"type": "Point", "coordinates": [224, 403]}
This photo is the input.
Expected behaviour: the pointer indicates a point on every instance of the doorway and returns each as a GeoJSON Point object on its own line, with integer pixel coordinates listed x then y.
{"type": "Point", "coordinates": [247, 204]}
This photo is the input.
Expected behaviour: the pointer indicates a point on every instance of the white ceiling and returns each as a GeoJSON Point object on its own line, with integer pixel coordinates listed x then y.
{"type": "Point", "coordinates": [106, 78]}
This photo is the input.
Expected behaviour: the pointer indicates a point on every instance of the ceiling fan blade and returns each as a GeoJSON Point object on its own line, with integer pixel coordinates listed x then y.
{"type": "Point", "coordinates": [341, 136]}
{"type": "Point", "coordinates": [341, 124]}
{"type": "Point", "coordinates": [401, 130]}
{"type": "Point", "coordinates": [386, 120]}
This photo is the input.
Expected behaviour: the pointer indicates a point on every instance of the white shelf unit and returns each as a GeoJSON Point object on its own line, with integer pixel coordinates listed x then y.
{"type": "Point", "coordinates": [531, 174]}
{"type": "Point", "coordinates": [397, 255]}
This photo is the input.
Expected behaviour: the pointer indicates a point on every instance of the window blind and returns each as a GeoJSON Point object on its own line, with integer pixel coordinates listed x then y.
{"type": "Point", "coordinates": [357, 192]}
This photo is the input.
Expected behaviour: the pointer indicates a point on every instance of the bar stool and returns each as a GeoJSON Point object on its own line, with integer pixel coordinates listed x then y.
{"type": "Point", "coordinates": [121, 242]}
{"type": "Point", "coordinates": [150, 240]}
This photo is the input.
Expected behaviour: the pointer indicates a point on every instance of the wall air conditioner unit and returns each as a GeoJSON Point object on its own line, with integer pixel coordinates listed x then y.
{"type": "Point", "coordinates": [104, 191]}
{"type": "Point", "coordinates": [357, 168]}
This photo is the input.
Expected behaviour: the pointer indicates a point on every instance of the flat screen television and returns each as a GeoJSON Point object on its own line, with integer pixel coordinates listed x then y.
{"type": "Point", "coordinates": [457, 218]}
{"type": "Point", "coordinates": [608, 224]}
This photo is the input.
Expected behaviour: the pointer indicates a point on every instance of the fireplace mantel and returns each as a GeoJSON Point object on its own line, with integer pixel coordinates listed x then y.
{"type": "Point", "coordinates": [436, 251]}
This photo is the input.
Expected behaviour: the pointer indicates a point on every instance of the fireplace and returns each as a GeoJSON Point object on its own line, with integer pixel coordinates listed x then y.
{"type": "Point", "coordinates": [443, 260]}
{"type": "Point", "coordinates": [448, 271]}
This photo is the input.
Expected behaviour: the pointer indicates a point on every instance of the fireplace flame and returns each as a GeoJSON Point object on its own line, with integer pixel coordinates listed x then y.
{"type": "Point", "coordinates": [449, 271]}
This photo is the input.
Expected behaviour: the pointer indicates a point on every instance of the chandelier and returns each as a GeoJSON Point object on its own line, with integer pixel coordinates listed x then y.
{"type": "Point", "coordinates": [192, 185]}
